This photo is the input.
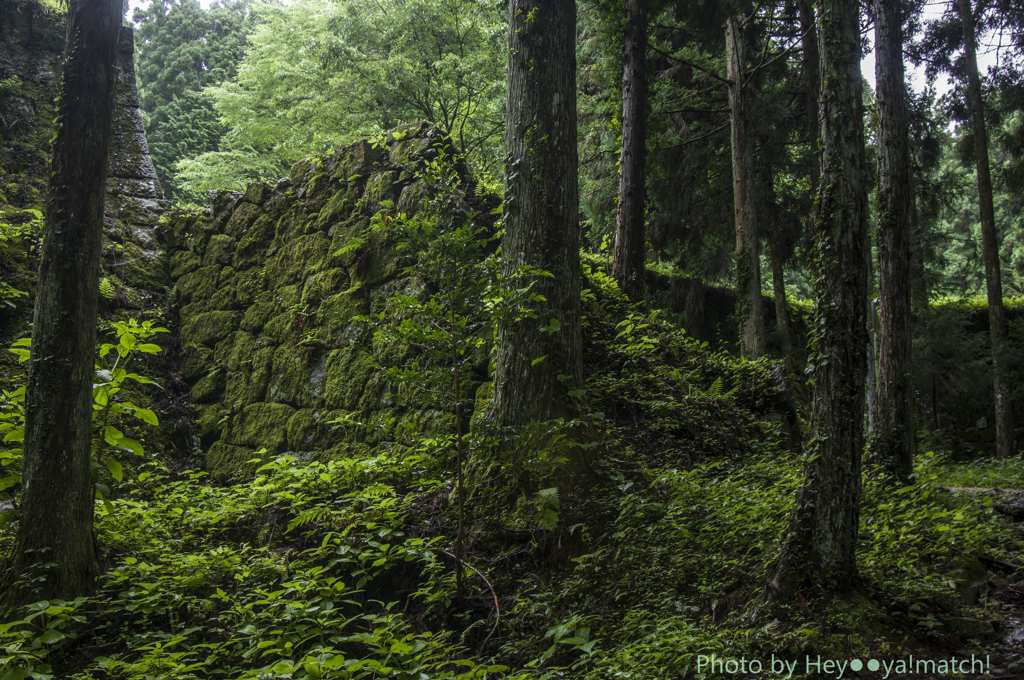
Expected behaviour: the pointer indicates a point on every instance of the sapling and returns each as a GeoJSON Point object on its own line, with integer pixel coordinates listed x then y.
{"type": "Point", "coordinates": [109, 379]}
{"type": "Point", "coordinates": [451, 318]}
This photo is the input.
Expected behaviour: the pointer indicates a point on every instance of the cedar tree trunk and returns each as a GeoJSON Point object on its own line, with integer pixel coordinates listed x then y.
{"type": "Point", "coordinates": [748, 256]}
{"type": "Point", "coordinates": [55, 542]}
{"type": "Point", "coordinates": [541, 214]}
{"type": "Point", "coordinates": [630, 247]}
{"type": "Point", "coordinates": [812, 90]}
{"type": "Point", "coordinates": [1005, 445]}
{"type": "Point", "coordinates": [818, 548]}
{"type": "Point", "coordinates": [892, 443]}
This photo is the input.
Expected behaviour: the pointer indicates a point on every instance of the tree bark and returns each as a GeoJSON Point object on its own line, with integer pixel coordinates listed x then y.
{"type": "Point", "coordinates": [818, 549]}
{"type": "Point", "coordinates": [812, 87]}
{"type": "Point", "coordinates": [781, 305]}
{"type": "Point", "coordinates": [1005, 444]}
{"type": "Point", "coordinates": [541, 215]}
{"type": "Point", "coordinates": [750, 307]}
{"type": "Point", "coordinates": [892, 444]}
{"type": "Point", "coordinates": [630, 242]}
{"type": "Point", "coordinates": [54, 556]}
{"type": "Point", "coordinates": [918, 284]}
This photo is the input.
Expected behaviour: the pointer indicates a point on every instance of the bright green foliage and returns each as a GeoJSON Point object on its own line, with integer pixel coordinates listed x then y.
{"type": "Point", "coordinates": [191, 601]}
{"type": "Point", "coordinates": [181, 49]}
{"type": "Point", "coordinates": [449, 331]}
{"type": "Point", "coordinates": [410, 59]}
{"type": "Point", "coordinates": [22, 236]}
{"type": "Point", "coordinates": [108, 412]}
{"type": "Point", "coordinates": [318, 569]}
{"type": "Point", "coordinates": [908, 534]}
{"type": "Point", "coordinates": [319, 75]}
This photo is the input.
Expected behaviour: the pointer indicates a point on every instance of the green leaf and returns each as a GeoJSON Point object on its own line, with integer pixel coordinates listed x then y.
{"type": "Point", "coordinates": [115, 469]}
{"type": "Point", "coordinates": [131, 445]}
{"type": "Point", "coordinates": [537, 361]}
{"type": "Point", "coordinates": [148, 416]}
{"type": "Point", "coordinates": [51, 636]}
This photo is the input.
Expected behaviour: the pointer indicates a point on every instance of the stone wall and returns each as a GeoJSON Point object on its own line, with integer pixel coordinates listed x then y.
{"type": "Point", "coordinates": [266, 302]}
{"type": "Point", "coordinates": [31, 43]}
{"type": "Point", "coordinates": [134, 197]}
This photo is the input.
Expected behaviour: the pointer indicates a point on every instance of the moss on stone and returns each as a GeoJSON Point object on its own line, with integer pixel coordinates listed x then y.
{"type": "Point", "coordinates": [226, 462]}
{"type": "Point", "coordinates": [338, 209]}
{"type": "Point", "coordinates": [253, 245]}
{"type": "Point", "coordinates": [248, 384]}
{"type": "Point", "coordinates": [256, 193]}
{"type": "Point", "coordinates": [262, 425]}
{"type": "Point", "coordinates": [382, 261]}
{"type": "Point", "coordinates": [297, 377]}
{"type": "Point", "coordinates": [348, 371]}
{"type": "Point", "coordinates": [210, 327]}
{"type": "Point", "coordinates": [336, 312]}
{"type": "Point", "coordinates": [380, 187]}
{"type": "Point", "coordinates": [298, 258]}
{"type": "Point", "coordinates": [210, 420]}
{"type": "Point", "coordinates": [242, 218]}
{"type": "Point", "coordinates": [311, 428]}
{"type": "Point", "coordinates": [248, 285]}
{"type": "Point", "coordinates": [200, 284]}
{"type": "Point", "coordinates": [184, 262]}
{"type": "Point", "coordinates": [209, 387]}
{"type": "Point", "coordinates": [265, 308]}
{"type": "Point", "coordinates": [299, 171]}
{"type": "Point", "coordinates": [220, 250]}
{"type": "Point", "coordinates": [322, 285]}
{"type": "Point", "coordinates": [236, 352]}
{"type": "Point", "coordinates": [281, 329]}
{"type": "Point", "coordinates": [411, 197]}
{"type": "Point", "coordinates": [196, 361]}
{"type": "Point", "coordinates": [224, 299]}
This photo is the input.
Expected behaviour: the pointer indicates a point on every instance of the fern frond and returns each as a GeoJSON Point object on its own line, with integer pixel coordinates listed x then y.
{"type": "Point", "coordinates": [315, 514]}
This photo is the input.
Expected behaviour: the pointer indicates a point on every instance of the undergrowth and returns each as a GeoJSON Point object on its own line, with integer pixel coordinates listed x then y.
{"type": "Point", "coordinates": [343, 569]}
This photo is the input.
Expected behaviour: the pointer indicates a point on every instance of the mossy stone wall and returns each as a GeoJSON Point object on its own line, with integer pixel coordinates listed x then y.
{"type": "Point", "coordinates": [266, 303]}
{"type": "Point", "coordinates": [134, 197]}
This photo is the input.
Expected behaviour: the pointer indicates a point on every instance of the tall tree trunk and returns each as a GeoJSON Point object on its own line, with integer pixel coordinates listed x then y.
{"type": "Point", "coordinates": [55, 545]}
{"type": "Point", "coordinates": [1005, 444]}
{"type": "Point", "coordinates": [777, 256]}
{"type": "Point", "coordinates": [918, 284]}
{"type": "Point", "coordinates": [812, 88]}
{"type": "Point", "coordinates": [750, 309]}
{"type": "Point", "coordinates": [818, 549]}
{"type": "Point", "coordinates": [892, 443]}
{"type": "Point", "coordinates": [541, 213]}
{"type": "Point", "coordinates": [871, 381]}
{"type": "Point", "coordinates": [781, 305]}
{"type": "Point", "coordinates": [630, 241]}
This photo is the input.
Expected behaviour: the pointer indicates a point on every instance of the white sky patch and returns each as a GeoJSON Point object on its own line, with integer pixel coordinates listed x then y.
{"type": "Point", "coordinates": [988, 55]}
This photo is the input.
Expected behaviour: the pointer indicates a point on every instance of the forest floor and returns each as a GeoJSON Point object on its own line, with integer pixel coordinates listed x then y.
{"type": "Point", "coordinates": [651, 569]}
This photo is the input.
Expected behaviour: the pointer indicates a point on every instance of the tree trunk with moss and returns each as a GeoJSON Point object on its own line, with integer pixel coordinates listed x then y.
{"type": "Point", "coordinates": [892, 442]}
{"type": "Point", "coordinates": [812, 88]}
{"type": "Point", "coordinates": [538, 368]}
{"type": "Point", "coordinates": [54, 555]}
{"type": "Point", "coordinates": [818, 549]}
{"type": "Point", "coordinates": [1005, 444]}
{"type": "Point", "coordinates": [750, 307]}
{"type": "Point", "coordinates": [630, 240]}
